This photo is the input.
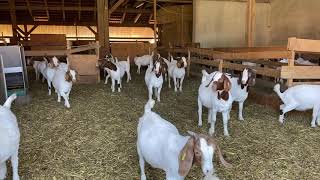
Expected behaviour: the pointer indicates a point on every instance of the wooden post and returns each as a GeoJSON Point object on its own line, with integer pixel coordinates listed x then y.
{"type": "Point", "coordinates": [189, 63]}
{"type": "Point", "coordinates": [195, 5]}
{"type": "Point", "coordinates": [181, 27]}
{"type": "Point", "coordinates": [155, 22]}
{"type": "Point", "coordinates": [13, 21]}
{"type": "Point", "coordinates": [291, 64]}
{"type": "Point", "coordinates": [103, 27]}
{"type": "Point", "coordinates": [220, 65]}
{"type": "Point", "coordinates": [250, 23]}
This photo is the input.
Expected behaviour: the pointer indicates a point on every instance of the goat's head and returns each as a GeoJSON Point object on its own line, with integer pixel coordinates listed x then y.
{"type": "Point", "coordinates": [109, 57]}
{"type": "Point", "coordinates": [221, 84]}
{"type": "Point", "coordinates": [71, 75]}
{"type": "Point", "coordinates": [108, 65]}
{"type": "Point", "coordinates": [200, 149]}
{"type": "Point", "coordinates": [247, 77]}
{"type": "Point", "coordinates": [55, 61]}
{"type": "Point", "coordinates": [182, 63]}
{"type": "Point", "coordinates": [157, 67]}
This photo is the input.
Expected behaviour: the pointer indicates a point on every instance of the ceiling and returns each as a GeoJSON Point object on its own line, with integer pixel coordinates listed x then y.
{"type": "Point", "coordinates": [83, 12]}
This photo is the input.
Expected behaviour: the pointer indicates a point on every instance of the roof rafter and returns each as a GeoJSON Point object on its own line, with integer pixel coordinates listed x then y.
{"type": "Point", "coordinates": [115, 6]}
{"type": "Point", "coordinates": [29, 9]}
{"type": "Point", "coordinates": [63, 11]}
{"type": "Point", "coordinates": [47, 9]}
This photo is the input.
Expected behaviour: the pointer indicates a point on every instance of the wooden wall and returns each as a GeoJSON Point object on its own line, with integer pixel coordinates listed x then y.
{"type": "Point", "coordinates": [176, 23]}
{"type": "Point", "coordinates": [222, 23]}
{"type": "Point", "coordinates": [294, 18]}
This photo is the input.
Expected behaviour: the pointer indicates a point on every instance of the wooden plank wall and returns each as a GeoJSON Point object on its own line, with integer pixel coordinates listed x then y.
{"type": "Point", "coordinates": [47, 42]}
{"type": "Point", "coordinates": [130, 49]}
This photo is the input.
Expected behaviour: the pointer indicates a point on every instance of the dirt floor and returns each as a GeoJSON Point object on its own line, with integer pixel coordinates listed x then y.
{"type": "Point", "coordinates": [96, 137]}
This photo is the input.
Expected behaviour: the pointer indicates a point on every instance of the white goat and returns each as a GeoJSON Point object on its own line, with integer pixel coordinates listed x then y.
{"type": "Point", "coordinates": [41, 68]}
{"type": "Point", "coordinates": [34, 63]}
{"type": "Point", "coordinates": [240, 88]}
{"type": "Point", "coordinates": [177, 70]}
{"type": "Point", "coordinates": [214, 94]}
{"type": "Point", "coordinates": [154, 79]}
{"type": "Point", "coordinates": [143, 61]}
{"type": "Point", "coordinates": [62, 83]}
{"type": "Point", "coordinates": [49, 72]}
{"type": "Point", "coordinates": [300, 61]}
{"type": "Point", "coordinates": [9, 139]}
{"type": "Point", "coordinates": [116, 74]}
{"type": "Point", "coordinates": [160, 144]}
{"type": "Point", "coordinates": [301, 98]}
{"type": "Point", "coordinates": [124, 67]}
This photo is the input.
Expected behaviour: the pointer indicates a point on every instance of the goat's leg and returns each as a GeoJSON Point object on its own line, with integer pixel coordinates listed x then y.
{"type": "Point", "coordinates": [128, 76]}
{"type": "Point", "coordinates": [68, 94]}
{"type": "Point", "coordinates": [284, 110]}
{"type": "Point", "coordinates": [199, 113]}
{"type": "Point", "coordinates": [213, 122]}
{"type": "Point", "coordinates": [158, 94]}
{"type": "Point", "coordinates": [138, 70]}
{"type": "Point", "coordinates": [15, 164]}
{"type": "Point", "coordinates": [209, 115]}
{"type": "Point", "coordinates": [175, 83]}
{"type": "Point", "coordinates": [49, 87]}
{"type": "Point", "coordinates": [180, 85]}
{"type": "Point", "coordinates": [141, 163]}
{"type": "Point", "coordinates": [169, 80]}
{"type": "Point", "coordinates": [107, 77]}
{"type": "Point", "coordinates": [119, 85]}
{"type": "Point", "coordinates": [3, 170]}
{"type": "Point", "coordinates": [314, 116]}
{"type": "Point", "coordinates": [113, 84]}
{"type": "Point", "coordinates": [42, 79]}
{"type": "Point", "coordinates": [150, 89]}
{"type": "Point", "coordinates": [240, 111]}
{"type": "Point", "coordinates": [225, 123]}
{"type": "Point", "coordinates": [66, 100]}
{"type": "Point", "coordinates": [37, 74]}
{"type": "Point", "coordinates": [59, 97]}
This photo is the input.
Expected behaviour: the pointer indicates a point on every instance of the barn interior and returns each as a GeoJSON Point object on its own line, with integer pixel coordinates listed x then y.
{"type": "Point", "coordinates": [96, 137]}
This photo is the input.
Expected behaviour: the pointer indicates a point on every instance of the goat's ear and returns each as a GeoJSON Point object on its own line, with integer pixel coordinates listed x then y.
{"type": "Point", "coordinates": [240, 79]}
{"type": "Point", "coordinates": [226, 83]}
{"type": "Point", "coordinates": [252, 77]}
{"type": "Point", "coordinates": [186, 157]}
{"type": "Point", "coordinates": [222, 160]}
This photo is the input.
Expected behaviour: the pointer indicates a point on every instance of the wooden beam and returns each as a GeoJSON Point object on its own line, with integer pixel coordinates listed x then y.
{"type": "Point", "coordinates": [31, 30]}
{"type": "Point", "coordinates": [123, 16]}
{"type": "Point", "coordinates": [103, 27]}
{"type": "Point", "coordinates": [250, 23]}
{"type": "Point", "coordinates": [300, 72]}
{"type": "Point", "coordinates": [46, 6]}
{"type": "Point", "coordinates": [29, 9]}
{"type": "Point", "coordinates": [95, 11]}
{"type": "Point", "coordinates": [137, 17]}
{"type": "Point", "coordinates": [13, 20]}
{"type": "Point", "coordinates": [72, 8]}
{"type": "Point", "coordinates": [93, 31]}
{"type": "Point", "coordinates": [79, 11]}
{"type": "Point", "coordinates": [155, 22]}
{"type": "Point", "coordinates": [171, 1]}
{"type": "Point", "coordinates": [115, 6]}
{"type": "Point", "coordinates": [150, 18]}
{"type": "Point", "coordinates": [63, 11]}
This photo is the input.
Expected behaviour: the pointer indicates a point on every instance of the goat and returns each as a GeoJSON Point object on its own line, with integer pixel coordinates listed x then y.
{"type": "Point", "coordinates": [41, 66]}
{"type": "Point", "coordinates": [62, 83]}
{"type": "Point", "coordinates": [124, 67]}
{"type": "Point", "coordinates": [240, 88]}
{"type": "Point", "coordinates": [9, 139]}
{"type": "Point", "coordinates": [143, 61]}
{"type": "Point", "coordinates": [214, 94]}
{"type": "Point", "coordinates": [177, 71]}
{"type": "Point", "coordinates": [160, 144]}
{"type": "Point", "coordinates": [50, 71]}
{"type": "Point", "coordinates": [154, 78]}
{"type": "Point", "coordinates": [34, 64]}
{"type": "Point", "coordinates": [301, 98]}
{"type": "Point", "coordinates": [115, 73]}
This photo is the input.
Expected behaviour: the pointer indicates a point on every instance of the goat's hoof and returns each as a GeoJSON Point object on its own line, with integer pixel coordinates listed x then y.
{"type": "Point", "coordinates": [226, 134]}
{"type": "Point", "coordinates": [199, 124]}
{"type": "Point", "coordinates": [143, 177]}
{"type": "Point", "coordinates": [158, 100]}
{"type": "Point", "coordinates": [240, 118]}
{"type": "Point", "coordinates": [313, 125]}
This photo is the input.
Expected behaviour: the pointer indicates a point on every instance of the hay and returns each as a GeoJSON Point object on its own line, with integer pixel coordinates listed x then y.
{"type": "Point", "coordinates": [96, 138]}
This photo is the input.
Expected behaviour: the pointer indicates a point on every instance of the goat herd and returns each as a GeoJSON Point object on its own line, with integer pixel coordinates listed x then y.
{"type": "Point", "coordinates": [159, 142]}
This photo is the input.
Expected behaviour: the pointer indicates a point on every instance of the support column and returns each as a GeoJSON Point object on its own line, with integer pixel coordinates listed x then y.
{"type": "Point", "coordinates": [251, 14]}
{"type": "Point", "coordinates": [13, 21]}
{"type": "Point", "coordinates": [155, 22]}
{"type": "Point", "coordinates": [103, 27]}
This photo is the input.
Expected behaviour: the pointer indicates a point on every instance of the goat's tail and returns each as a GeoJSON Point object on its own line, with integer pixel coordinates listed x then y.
{"type": "Point", "coordinates": [10, 100]}
{"type": "Point", "coordinates": [149, 105]}
{"type": "Point", "coordinates": [277, 90]}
